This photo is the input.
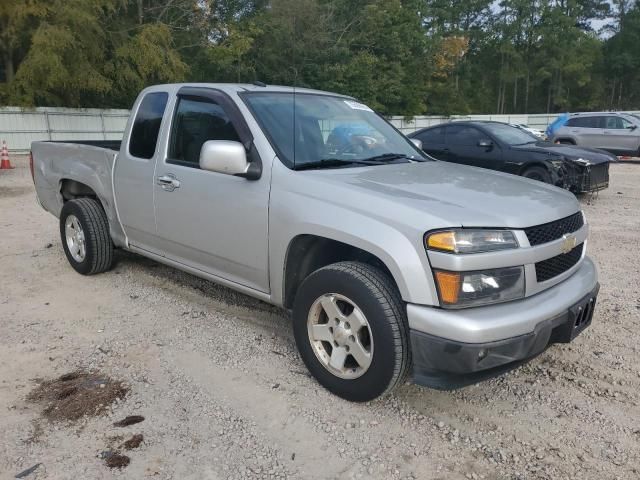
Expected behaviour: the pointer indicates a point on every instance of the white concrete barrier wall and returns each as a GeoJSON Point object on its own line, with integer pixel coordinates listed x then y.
{"type": "Point", "coordinates": [19, 127]}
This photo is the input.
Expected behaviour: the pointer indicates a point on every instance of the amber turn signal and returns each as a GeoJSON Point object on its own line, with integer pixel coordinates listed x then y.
{"type": "Point", "coordinates": [448, 286]}
{"type": "Point", "coordinates": [442, 241]}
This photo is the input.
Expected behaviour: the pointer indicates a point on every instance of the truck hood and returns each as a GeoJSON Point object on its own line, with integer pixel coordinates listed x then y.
{"type": "Point", "coordinates": [571, 152]}
{"type": "Point", "coordinates": [438, 194]}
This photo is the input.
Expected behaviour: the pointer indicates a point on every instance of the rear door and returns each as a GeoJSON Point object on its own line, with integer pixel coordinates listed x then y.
{"type": "Point", "coordinates": [433, 142]}
{"type": "Point", "coordinates": [619, 135]}
{"type": "Point", "coordinates": [588, 131]}
{"type": "Point", "coordinates": [133, 171]}
{"type": "Point", "coordinates": [210, 221]}
{"type": "Point", "coordinates": [463, 144]}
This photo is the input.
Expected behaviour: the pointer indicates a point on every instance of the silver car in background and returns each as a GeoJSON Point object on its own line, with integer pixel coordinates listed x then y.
{"type": "Point", "coordinates": [615, 132]}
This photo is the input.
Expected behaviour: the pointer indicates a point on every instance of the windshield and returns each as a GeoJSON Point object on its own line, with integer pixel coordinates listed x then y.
{"type": "Point", "coordinates": [509, 134]}
{"type": "Point", "coordinates": [327, 131]}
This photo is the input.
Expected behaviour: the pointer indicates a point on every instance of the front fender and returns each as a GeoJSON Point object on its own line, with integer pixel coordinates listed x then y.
{"type": "Point", "coordinates": [292, 215]}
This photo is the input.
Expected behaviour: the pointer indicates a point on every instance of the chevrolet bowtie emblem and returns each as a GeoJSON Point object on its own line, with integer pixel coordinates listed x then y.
{"type": "Point", "coordinates": [569, 242]}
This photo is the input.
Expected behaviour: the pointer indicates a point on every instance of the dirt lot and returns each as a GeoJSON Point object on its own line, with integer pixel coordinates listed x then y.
{"type": "Point", "coordinates": [224, 394]}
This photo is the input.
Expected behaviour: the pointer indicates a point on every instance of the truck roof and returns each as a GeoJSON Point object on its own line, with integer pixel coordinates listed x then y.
{"type": "Point", "coordinates": [243, 87]}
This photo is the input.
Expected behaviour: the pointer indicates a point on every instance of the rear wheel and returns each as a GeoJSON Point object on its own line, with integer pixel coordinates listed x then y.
{"type": "Point", "coordinates": [537, 173]}
{"type": "Point", "coordinates": [351, 330]}
{"type": "Point", "coordinates": [84, 230]}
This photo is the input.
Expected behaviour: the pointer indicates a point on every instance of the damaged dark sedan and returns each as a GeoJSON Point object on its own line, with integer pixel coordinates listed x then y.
{"type": "Point", "coordinates": [503, 147]}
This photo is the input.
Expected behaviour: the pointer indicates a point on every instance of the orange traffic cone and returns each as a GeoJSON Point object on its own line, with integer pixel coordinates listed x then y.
{"type": "Point", "coordinates": [5, 163]}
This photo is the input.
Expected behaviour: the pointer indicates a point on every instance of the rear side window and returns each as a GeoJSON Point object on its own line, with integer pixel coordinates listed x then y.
{"type": "Point", "coordinates": [144, 133]}
{"type": "Point", "coordinates": [433, 136]}
{"type": "Point", "coordinates": [464, 135]}
{"type": "Point", "coordinates": [197, 121]}
{"type": "Point", "coordinates": [585, 122]}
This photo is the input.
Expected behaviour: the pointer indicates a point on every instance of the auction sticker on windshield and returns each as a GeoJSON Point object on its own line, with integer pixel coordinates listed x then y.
{"type": "Point", "coordinates": [357, 106]}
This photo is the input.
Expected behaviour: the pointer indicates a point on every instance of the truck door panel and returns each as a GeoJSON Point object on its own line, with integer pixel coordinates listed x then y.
{"type": "Point", "coordinates": [214, 222]}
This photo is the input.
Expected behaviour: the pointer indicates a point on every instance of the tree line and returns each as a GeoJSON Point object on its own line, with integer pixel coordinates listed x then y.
{"type": "Point", "coordinates": [404, 57]}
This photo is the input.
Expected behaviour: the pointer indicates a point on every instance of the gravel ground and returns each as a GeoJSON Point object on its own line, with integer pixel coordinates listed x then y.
{"type": "Point", "coordinates": [225, 396]}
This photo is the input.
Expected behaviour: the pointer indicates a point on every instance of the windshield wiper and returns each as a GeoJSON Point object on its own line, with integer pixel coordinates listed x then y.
{"type": "Point", "coordinates": [336, 162]}
{"type": "Point", "coordinates": [388, 157]}
{"type": "Point", "coordinates": [330, 162]}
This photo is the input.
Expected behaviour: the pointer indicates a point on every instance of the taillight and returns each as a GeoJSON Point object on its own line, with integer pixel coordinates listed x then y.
{"type": "Point", "coordinates": [33, 177]}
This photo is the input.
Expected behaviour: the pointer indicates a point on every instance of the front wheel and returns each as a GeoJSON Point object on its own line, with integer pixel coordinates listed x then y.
{"type": "Point", "coordinates": [84, 230]}
{"type": "Point", "coordinates": [351, 330]}
{"type": "Point", "coordinates": [537, 173]}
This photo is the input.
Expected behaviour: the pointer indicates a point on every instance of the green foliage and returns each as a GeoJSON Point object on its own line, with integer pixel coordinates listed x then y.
{"type": "Point", "coordinates": [66, 51]}
{"type": "Point", "coordinates": [145, 59]}
{"type": "Point", "coordinates": [621, 64]}
{"type": "Point", "coordinates": [400, 56]}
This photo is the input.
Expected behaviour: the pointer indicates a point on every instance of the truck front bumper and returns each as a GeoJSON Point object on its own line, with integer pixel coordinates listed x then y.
{"type": "Point", "coordinates": [455, 348]}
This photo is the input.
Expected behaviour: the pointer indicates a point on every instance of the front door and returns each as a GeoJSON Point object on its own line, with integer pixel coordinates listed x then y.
{"type": "Point", "coordinates": [210, 221]}
{"type": "Point", "coordinates": [619, 135]}
{"type": "Point", "coordinates": [433, 142]}
{"type": "Point", "coordinates": [469, 146]}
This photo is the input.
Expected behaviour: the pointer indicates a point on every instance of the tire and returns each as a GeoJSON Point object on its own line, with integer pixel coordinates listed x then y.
{"type": "Point", "coordinates": [92, 234]}
{"type": "Point", "coordinates": [566, 142]}
{"type": "Point", "coordinates": [373, 293]}
{"type": "Point", "coordinates": [537, 173]}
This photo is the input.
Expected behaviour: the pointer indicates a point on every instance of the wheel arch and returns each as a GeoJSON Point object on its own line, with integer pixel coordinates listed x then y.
{"type": "Point", "coordinates": [307, 253]}
{"type": "Point", "coordinates": [536, 164]}
{"type": "Point", "coordinates": [70, 189]}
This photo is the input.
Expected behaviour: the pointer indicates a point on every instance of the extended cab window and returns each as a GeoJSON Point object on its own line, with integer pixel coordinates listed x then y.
{"type": "Point", "coordinates": [144, 133]}
{"type": "Point", "coordinates": [197, 121]}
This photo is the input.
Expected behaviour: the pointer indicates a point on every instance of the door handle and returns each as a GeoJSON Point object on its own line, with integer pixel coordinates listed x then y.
{"type": "Point", "coordinates": [168, 182]}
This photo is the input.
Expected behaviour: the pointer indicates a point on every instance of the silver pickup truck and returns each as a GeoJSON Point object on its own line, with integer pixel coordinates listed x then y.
{"type": "Point", "coordinates": [394, 265]}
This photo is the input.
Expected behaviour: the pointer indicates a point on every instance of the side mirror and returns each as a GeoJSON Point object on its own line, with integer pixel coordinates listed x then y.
{"type": "Point", "coordinates": [485, 143]}
{"type": "Point", "coordinates": [632, 127]}
{"type": "Point", "coordinates": [223, 156]}
{"type": "Point", "coordinates": [417, 143]}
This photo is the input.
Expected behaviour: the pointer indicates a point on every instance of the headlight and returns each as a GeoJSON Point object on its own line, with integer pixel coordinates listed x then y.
{"type": "Point", "coordinates": [470, 289]}
{"type": "Point", "coordinates": [471, 241]}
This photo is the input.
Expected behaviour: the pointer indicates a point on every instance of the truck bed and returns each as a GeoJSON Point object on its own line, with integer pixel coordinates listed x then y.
{"type": "Point", "coordinates": [80, 165]}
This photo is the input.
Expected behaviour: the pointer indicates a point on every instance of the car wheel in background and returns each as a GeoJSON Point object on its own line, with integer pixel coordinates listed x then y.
{"type": "Point", "coordinates": [537, 173]}
{"type": "Point", "coordinates": [84, 230]}
{"type": "Point", "coordinates": [351, 330]}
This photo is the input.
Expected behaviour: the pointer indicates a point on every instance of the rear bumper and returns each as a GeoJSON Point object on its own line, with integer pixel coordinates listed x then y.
{"type": "Point", "coordinates": [485, 342]}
